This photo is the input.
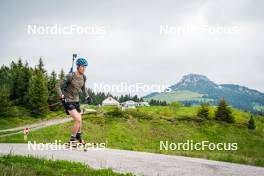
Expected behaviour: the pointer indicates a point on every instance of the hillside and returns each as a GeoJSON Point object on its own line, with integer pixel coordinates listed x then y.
{"type": "Point", "coordinates": [195, 88]}
{"type": "Point", "coordinates": [142, 130]}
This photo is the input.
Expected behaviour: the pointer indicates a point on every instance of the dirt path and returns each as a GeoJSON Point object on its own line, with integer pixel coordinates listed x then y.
{"type": "Point", "coordinates": [43, 124]}
{"type": "Point", "coordinates": [35, 126]}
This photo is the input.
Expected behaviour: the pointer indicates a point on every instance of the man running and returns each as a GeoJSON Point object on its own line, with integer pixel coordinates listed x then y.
{"type": "Point", "coordinates": [72, 84]}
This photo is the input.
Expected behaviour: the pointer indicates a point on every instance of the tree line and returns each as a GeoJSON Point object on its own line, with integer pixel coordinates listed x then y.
{"type": "Point", "coordinates": [34, 89]}
{"type": "Point", "coordinates": [25, 86]}
{"type": "Point", "coordinates": [223, 113]}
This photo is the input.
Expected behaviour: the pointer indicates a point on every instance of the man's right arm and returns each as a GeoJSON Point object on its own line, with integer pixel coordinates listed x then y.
{"type": "Point", "coordinates": [58, 86]}
{"type": "Point", "coordinates": [60, 83]}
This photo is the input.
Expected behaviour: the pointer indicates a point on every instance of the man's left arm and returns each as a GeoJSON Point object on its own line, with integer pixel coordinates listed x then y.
{"type": "Point", "coordinates": [85, 93]}
{"type": "Point", "coordinates": [88, 99]}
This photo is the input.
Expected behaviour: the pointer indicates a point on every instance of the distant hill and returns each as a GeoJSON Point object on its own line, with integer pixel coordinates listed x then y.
{"type": "Point", "coordinates": [195, 88]}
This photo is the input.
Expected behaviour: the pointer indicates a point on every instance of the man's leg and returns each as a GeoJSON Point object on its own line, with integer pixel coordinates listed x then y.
{"type": "Point", "coordinates": [78, 121]}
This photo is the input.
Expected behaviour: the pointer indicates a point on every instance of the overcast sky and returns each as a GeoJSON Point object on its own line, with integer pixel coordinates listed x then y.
{"type": "Point", "coordinates": [133, 47]}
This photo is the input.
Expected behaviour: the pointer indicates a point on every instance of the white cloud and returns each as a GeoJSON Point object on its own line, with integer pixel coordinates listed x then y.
{"type": "Point", "coordinates": [132, 49]}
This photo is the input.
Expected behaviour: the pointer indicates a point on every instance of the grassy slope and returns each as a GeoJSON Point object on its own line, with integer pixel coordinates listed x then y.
{"type": "Point", "coordinates": [259, 108]}
{"type": "Point", "coordinates": [30, 166]}
{"type": "Point", "coordinates": [144, 128]}
{"type": "Point", "coordinates": [21, 117]}
{"type": "Point", "coordinates": [178, 96]}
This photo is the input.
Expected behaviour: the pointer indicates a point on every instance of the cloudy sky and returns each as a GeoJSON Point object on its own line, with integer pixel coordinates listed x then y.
{"type": "Point", "coordinates": [149, 42]}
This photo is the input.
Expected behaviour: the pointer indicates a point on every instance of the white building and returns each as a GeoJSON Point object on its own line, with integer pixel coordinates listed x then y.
{"type": "Point", "coordinates": [142, 103]}
{"type": "Point", "coordinates": [110, 101]}
{"type": "Point", "coordinates": [129, 104]}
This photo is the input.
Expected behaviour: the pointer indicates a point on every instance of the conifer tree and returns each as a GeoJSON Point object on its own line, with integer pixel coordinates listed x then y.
{"type": "Point", "coordinates": [251, 123]}
{"type": "Point", "coordinates": [38, 93]}
{"type": "Point", "coordinates": [203, 111]}
{"type": "Point", "coordinates": [53, 97]}
{"type": "Point", "coordinates": [61, 75]}
{"type": "Point", "coordinates": [223, 112]}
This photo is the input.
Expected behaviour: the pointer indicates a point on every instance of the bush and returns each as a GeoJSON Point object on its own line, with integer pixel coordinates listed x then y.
{"type": "Point", "coordinates": [139, 115]}
{"type": "Point", "coordinates": [116, 112]}
{"type": "Point", "coordinates": [203, 111]}
{"type": "Point", "coordinates": [251, 123]}
{"type": "Point", "coordinates": [174, 106]}
{"type": "Point", "coordinates": [223, 112]}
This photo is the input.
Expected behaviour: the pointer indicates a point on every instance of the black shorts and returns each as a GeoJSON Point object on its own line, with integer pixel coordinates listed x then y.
{"type": "Point", "coordinates": [71, 106]}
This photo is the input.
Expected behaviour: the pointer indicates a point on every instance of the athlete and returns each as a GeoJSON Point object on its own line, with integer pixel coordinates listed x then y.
{"type": "Point", "coordinates": [73, 84]}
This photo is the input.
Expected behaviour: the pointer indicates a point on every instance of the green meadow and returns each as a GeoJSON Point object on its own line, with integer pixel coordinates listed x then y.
{"type": "Point", "coordinates": [30, 166]}
{"type": "Point", "coordinates": [143, 128]}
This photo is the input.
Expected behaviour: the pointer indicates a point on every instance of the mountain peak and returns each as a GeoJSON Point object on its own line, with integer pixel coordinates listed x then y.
{"type": "Point", "coordinates": [208, 91]}
{"type": "Point", "coordinates": [192, 77]}
{"type": "Point", "coordinates": [192, 81]}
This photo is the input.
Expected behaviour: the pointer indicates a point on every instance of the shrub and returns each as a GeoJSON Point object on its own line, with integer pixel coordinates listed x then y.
{"type": "Point", "coordinates": [223, 112]}
{"type": "Point", "coordinates": [203, 111]}
{"type": "Point", "coordinates": [117, 113]}
{"type": "Point", "coordinates": [251, 123]}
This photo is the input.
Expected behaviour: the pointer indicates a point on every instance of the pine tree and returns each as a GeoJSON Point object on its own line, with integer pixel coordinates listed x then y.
{"type": "Point", "coordinates": [24, 87]}
{"type": "Point", "coordinates": [61, 75]}
{"type": "Point", "coordinates": [203, 111]}
{"type": "Point", "coordinates": [40, 65]}
{"type": "Point", "coordinates": [121, 99]}
{"type": "Point", "coordinates": [5, 102]}
{"type": "Point", "coordinates": [164, 103]}
{"type": "Point", "coordinates": [14, 75]}
{"type": "Point", "coordinates": [20, 76]}
{"type": "Point", "coordinates": [51, 89]}
{"type": "Point", "coordinates": [5, 77]}
{"type": "Point", "coordinates": [38, 93]}
{"type": "Point", "coordinates": [223, 112]}
{"type": "Point", "coordinates": [251, 123]}
{"type": "Point", "coordinates": [154, 102]}
{"type": "Point", "coordinates": [52, 81]}
{"type": "Point", "coordinates": [135, 98]}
